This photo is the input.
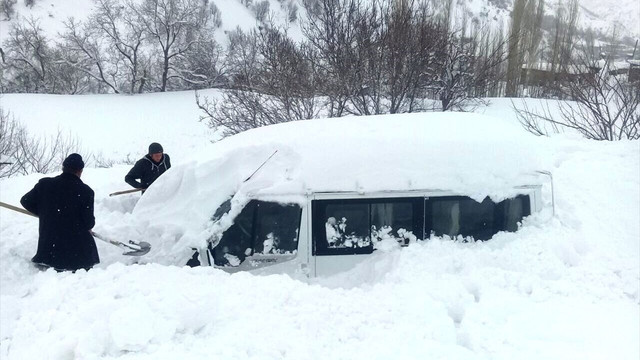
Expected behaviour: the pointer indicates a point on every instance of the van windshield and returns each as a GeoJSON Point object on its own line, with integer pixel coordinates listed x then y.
{"type": "Point", "coordinates": [261, 228]}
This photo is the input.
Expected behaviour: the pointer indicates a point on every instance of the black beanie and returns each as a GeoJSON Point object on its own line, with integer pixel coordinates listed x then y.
{"type": "Point", "coordinates": [73, 162]}
{"type": "Point", "coordinates": [155, 148]}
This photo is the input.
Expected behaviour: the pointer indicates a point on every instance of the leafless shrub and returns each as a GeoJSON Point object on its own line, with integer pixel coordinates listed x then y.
{"type": "Point", "coordinates": [274, 83]}
{"type": "Point", "coordinates": [27, 154]}
{"type": "Point", "coordinates": [261, 9]}
{"type": "Point", "coordinates": [101, 162]}
{"type": "Point", "coordinates": [7, 7]}
{"type": "Point", "coordinates": [604, 107]}
{"type": "Point", "coordinates": [216, 15]}
{"type": "Point", "coordinates": [129, 160]}
{"type": "Point", "coordinates": [241, 110]}
{"type": "Point", "coordinates": [8, 134]}
{"type": "Point", "coordinates": [536, 121]}
{"type": "Point", "coordinates": [292, 11]}
{"type": "Point", "coordinates": [44, 154]}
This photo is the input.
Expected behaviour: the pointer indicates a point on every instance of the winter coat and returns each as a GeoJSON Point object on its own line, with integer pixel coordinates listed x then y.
{"type": "Point", "coordinates": [147, 171]}
{"type": "Point", "coordinates": [64, 205]}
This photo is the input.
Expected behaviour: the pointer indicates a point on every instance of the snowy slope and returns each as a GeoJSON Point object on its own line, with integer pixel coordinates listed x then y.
{"type": "Point", "coordinates": [600, 15]}
{"type": "Point", "coordinates": [52, 13]}
{"type": "Point", "coordinates": [604, 15]}
{"type": "Point", "coordinates": [562, 287]}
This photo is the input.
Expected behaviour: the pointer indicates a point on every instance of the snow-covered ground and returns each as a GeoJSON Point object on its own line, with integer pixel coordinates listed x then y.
{"type": "Point", "coordinates": [562, 287]}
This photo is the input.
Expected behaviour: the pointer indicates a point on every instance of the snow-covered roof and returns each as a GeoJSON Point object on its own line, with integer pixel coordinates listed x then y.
{"type": "Point", "coordinates": [464, 153]}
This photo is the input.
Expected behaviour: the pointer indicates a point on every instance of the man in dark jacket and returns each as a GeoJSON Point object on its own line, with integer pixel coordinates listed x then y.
{"type": "Point", "coordinates": [64, 205]}
{"type": "Point", "coordinates": [149, 168]}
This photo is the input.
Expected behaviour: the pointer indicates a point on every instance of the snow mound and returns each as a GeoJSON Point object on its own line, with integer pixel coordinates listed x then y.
{"type": "Point", "coordinates": [469, 154]}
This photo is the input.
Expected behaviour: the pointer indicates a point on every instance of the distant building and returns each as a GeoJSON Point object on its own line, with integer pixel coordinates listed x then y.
{"type": "Point", "coordinates": [540, 74]}
{"type": "Point", "coordinates": [634, 70]}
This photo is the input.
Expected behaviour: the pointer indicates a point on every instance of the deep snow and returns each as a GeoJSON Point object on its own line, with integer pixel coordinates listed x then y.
{"type": "Point", "coordinates": [562, 287]}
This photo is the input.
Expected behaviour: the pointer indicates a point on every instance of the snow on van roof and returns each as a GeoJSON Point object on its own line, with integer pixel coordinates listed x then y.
{"type": "Point", "coordinates": [464, 153]}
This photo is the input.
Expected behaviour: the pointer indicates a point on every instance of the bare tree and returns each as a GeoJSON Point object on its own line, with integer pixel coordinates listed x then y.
{"type": "Point", "coordinates": [173, 26]}
{"type": "Point", "coordinates": [604, 107]}
{"type": "Point", "coordinates": [489, 53]}
{"type": "Point", "coordinates": [525, 36]}
{"type": "Point", "coordinates": [28, 58]}
{"type": "Point", "coordinates": [66, 78]}
{"type": "Point", "coordinates": [242, 57]}
{"type": "Point", "coordinates": [561, 44]}
{"type": "Point", "coordinates": [7, 7]}
{"type": "Point", "coordinates": [455, 79]}
{"type": "Point", "coordinates": [280, 87]}
{"type": "Point", "coordinates": [83, 51]}
{"type": "Point", "coordinates": [125, 35]}
{"type": "Point", "coordinates": [203, 64]}
{"type": "Point", "coordinates": [330, 30]}
{"type": "Point", "coordinates": [515, 52]}
{"type": "Point", "coordinates": [412, 44]}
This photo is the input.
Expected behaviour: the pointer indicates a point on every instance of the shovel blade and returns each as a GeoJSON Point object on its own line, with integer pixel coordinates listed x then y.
{"type": "Point", "coordinates": [137, 248]}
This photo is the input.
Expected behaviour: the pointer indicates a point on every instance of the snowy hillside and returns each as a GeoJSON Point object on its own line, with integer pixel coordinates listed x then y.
{"type": "Point", "coordinates": [562, 287]}
{"type": "Point", "coordinates": [52, 13]}
{"type": "Point", "coordinates": [599, 15]}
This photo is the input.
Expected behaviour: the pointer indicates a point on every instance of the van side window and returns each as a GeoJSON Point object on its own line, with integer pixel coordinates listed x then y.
{"type": "Point", "coordinates": [461, 215]}
{"type": "Point", "coordinates": [344, 227]}
{"type": "Point", "coordinates": [347, 227]}
{"type": "Point", "coordinates": [260, 228]}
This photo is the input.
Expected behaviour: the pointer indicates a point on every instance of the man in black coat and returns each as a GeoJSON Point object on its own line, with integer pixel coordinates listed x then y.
{"type": "Point", "coordinates": [149, 168]}
{"type": "Point", "coordinates": [64, 205]}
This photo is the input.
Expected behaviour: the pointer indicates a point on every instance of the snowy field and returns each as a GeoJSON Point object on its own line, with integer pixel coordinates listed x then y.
{"type": "Point", "coordinates": [562, 287]}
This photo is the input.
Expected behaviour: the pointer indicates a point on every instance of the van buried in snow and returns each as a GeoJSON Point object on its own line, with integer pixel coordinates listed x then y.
{"type": "Point", "coordinates": [329, 193]}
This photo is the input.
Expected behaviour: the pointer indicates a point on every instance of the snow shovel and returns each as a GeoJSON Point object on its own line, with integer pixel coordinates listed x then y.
{"type": "Point", "coordinates": [134, 248]}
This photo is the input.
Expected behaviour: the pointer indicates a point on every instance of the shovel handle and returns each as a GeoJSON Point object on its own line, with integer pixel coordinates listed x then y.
{"type": "Point", "coordinates": [15, 208]}
{"type": "Point", "coordinates": [125, 192]}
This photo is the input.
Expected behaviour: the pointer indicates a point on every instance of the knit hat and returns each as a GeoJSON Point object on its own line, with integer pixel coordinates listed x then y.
{"type": "Point", "coordinates": [73, 162]}
{"type": "Point", "coordinates": [155, 148]}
